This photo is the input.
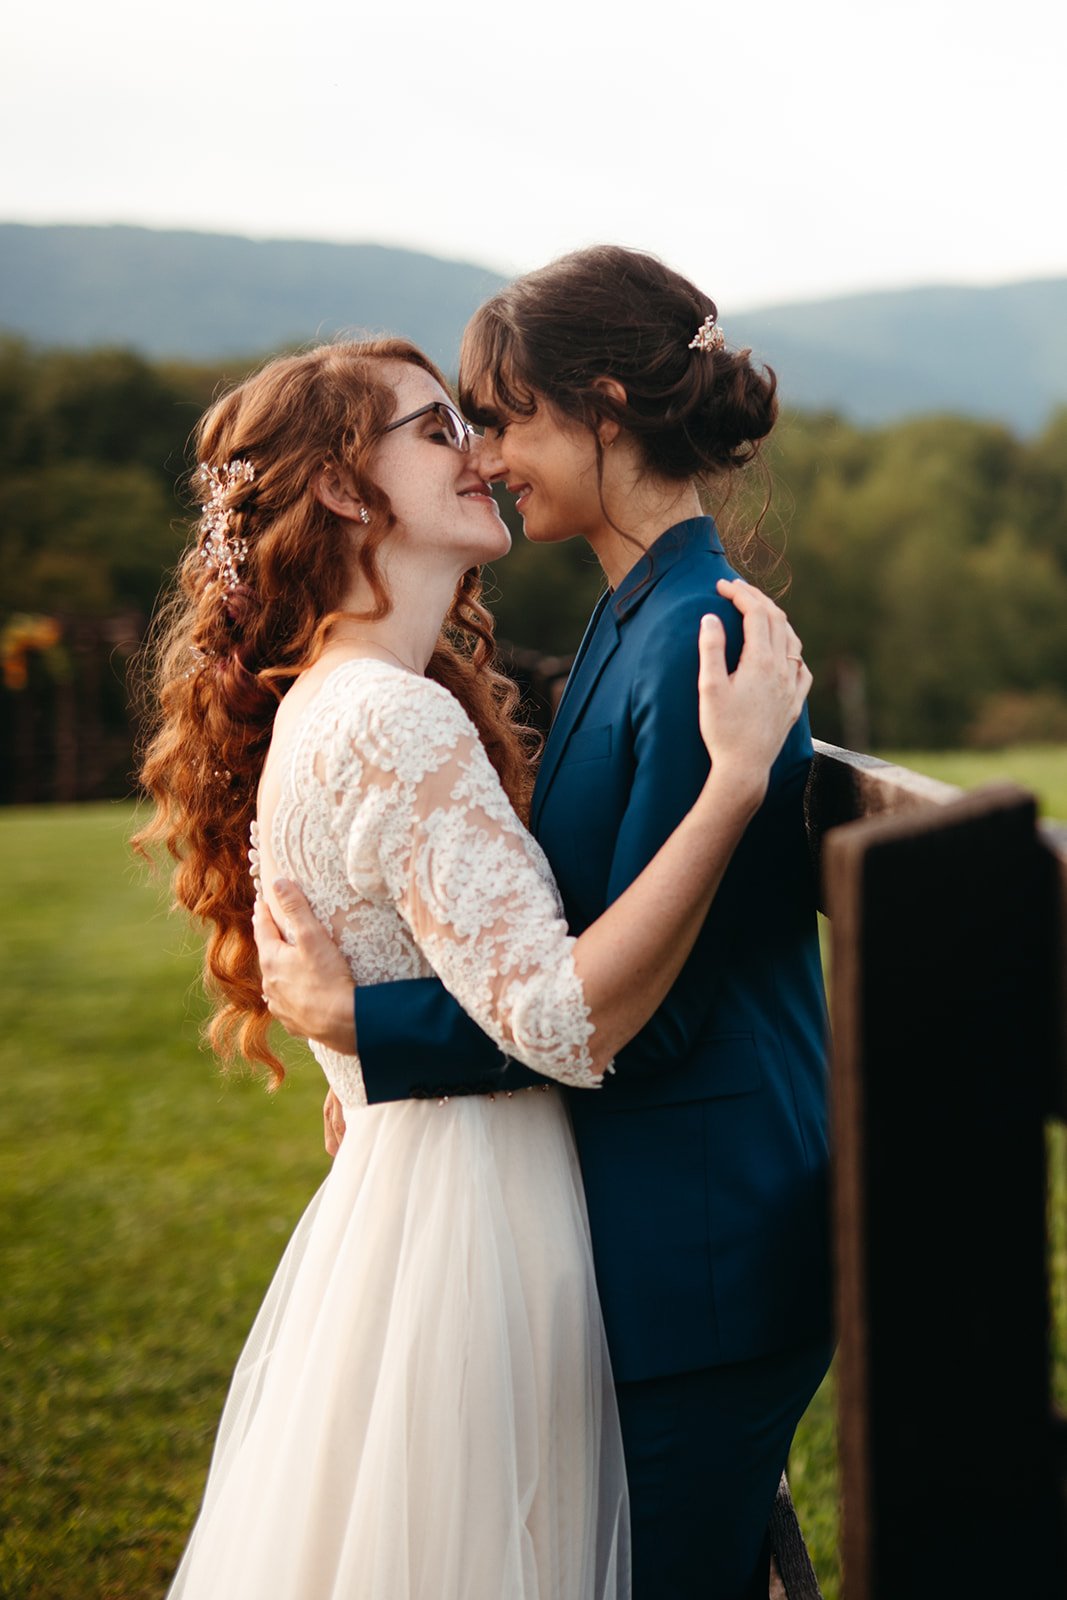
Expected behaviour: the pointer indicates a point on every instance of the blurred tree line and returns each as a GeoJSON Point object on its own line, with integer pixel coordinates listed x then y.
{"type": "Point", "coordinates": [927, 565]}
{"type": "Point", "coordinates": [929, 577]}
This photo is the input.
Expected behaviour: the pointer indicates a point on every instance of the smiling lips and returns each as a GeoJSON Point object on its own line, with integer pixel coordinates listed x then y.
{"type": "Point", "coordinates": [478, 491]}
{"type": "Point", "coordinates": [482, 491]}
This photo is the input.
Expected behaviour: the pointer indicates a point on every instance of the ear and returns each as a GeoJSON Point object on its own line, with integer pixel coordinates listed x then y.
{"type": "Point", "coordinates": [607, 429]}
{"type": "Point", "coordinates": [337, 492]}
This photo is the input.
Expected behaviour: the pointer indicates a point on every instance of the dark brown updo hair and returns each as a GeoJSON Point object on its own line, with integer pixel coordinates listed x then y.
{"type": "Point", "coordinates": [609, 312]}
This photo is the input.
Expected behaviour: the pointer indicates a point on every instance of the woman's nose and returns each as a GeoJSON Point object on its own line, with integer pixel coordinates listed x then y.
{"type": "Point", "coordinates": [485, 453]}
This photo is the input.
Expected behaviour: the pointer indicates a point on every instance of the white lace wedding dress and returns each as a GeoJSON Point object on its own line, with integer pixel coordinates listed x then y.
{"type": "Point", "coordinates": [424, 1407]}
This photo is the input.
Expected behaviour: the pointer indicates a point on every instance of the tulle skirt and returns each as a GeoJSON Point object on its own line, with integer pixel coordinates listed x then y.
{"type": "Point", "coordinates": [424, 1408]}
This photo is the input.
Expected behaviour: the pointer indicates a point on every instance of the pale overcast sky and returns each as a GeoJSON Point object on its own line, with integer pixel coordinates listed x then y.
{"type": "Point", "coordinates": [770, 150]}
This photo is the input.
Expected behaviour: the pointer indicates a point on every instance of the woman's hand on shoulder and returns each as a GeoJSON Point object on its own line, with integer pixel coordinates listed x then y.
{"type": "Point", "coordinates": [746, 715]}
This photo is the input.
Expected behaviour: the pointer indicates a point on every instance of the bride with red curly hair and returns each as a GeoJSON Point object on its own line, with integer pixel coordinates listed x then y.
{"type": "Point", "coordinates": [424, 1406]}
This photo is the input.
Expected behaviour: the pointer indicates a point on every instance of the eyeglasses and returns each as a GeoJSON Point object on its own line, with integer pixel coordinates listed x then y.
{"type": "Point", "coordinates": [458, 432]}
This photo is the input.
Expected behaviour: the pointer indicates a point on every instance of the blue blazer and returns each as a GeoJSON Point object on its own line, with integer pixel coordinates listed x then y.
{"type": "Point", "coordinates": [704, 1157]}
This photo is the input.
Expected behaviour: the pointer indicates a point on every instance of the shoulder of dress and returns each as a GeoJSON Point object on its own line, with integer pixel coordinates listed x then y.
{"type": "Point", "coordinates": [424, 698]}
{"type": "Point", "coordinates": [395, 719]}
{"type": "Point", "coordinates": [371, 688]}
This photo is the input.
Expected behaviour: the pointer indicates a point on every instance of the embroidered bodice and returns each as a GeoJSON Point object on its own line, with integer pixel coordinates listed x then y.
{"type": "Point", "coordinates": [393, 821]}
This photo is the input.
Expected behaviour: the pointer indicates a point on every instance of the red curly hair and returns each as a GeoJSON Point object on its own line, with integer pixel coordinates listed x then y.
{"type": "Point", "coordinates": [220, 658]}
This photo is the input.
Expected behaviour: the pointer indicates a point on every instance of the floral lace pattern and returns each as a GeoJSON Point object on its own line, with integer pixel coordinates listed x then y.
{"type": "Point", "coordinates": [393, 821]}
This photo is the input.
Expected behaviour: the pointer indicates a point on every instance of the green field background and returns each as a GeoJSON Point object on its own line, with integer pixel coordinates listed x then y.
{"type": "Point", "coordinates": [145, 1203]}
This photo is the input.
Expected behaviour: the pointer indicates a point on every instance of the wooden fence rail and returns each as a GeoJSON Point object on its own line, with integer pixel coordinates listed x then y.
{"type": "Point", "coordinates": [948, 915]}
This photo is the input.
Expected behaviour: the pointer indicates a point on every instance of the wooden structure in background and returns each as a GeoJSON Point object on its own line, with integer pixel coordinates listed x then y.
{"type": "Point", "coordinates": [68, 733]}
{"type": "Point", "coordinates": [948, 916]}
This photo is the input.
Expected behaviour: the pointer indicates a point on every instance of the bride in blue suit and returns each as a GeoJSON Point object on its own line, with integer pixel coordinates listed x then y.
{"type": "Point", "coordinates": [609, 399]}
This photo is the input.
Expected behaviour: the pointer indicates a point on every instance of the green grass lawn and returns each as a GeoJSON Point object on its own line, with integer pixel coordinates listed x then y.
{"type": "Point", "coordinates": [145, 1203]}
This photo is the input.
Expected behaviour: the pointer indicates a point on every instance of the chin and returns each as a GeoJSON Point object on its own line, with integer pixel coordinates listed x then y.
{"type": "Point", "coordinates": [542, 535]}
{"type": "Point", "coordinates": [499, 549]}
{"type": "Point", "coordinates": [491, 541]}
{"type": "Point", "coordinates": [496, 538]}
{"type": "Point", "coordinates": [486, 552]}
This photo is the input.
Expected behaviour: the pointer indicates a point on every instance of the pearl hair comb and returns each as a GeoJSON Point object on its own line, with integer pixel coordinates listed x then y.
{"type": "Point", "coordinates": [219, 549]}
{"type": "Point", "coordinates": [708, 337]}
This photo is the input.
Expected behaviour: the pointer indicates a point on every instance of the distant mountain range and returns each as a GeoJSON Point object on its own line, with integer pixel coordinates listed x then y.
{"type": "Point", "coordinates": [995, 352]}
{"type": "Point", "coordinates": [999, 352]}
{"type": "Point", "coordinates": [206, 295]}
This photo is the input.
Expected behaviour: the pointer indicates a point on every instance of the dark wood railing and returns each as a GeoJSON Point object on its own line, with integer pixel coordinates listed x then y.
{"type": "Point", "coordinates": [948, 914]}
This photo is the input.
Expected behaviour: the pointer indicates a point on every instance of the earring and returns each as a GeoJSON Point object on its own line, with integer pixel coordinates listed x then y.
{"type": "Point", "coordinates": [364, 515]}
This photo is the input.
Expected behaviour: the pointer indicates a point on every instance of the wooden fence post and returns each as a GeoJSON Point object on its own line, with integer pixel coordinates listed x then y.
{"type": "Point", "coordinates": [945, 943]}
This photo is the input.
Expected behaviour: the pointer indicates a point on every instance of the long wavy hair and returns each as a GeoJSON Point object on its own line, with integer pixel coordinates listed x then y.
{"type": "Point", "coordinates": [221, 654]}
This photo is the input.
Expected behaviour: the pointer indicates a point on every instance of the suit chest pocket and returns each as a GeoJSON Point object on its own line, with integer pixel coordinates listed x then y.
{"type": "Point", "coordinates": [588, 744]}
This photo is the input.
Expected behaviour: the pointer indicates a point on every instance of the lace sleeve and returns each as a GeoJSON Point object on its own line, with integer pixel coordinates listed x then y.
{"type": "Point", "coordinates": [469, 881]}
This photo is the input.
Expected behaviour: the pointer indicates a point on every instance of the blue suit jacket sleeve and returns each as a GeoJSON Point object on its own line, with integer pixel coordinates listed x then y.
{"type": "Point", "coordinates": [415, 1040]}
{"type": "Point", "coordinates": [670, 767]}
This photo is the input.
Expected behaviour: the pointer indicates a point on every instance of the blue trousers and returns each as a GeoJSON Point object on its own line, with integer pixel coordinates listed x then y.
{"type": "Point", "coordinates": [704, 1455]}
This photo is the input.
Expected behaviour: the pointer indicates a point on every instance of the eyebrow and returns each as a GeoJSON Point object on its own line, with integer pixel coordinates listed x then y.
{"type": "Point", "coordinates": [487, 415]}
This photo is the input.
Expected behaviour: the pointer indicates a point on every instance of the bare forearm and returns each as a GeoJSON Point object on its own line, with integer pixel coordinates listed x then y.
{"type": "Point", "coordinates": [629, 958]}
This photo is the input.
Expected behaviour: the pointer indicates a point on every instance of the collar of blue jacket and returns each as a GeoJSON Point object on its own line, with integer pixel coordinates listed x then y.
{"type": "Point", "coordinates": [660, 556]}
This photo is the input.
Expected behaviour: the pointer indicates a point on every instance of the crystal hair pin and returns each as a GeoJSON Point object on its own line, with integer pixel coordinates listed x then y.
{"type": "Point", "coordinates": [708, 337]}
{"type": "Point", "coordinates": [221, 550]}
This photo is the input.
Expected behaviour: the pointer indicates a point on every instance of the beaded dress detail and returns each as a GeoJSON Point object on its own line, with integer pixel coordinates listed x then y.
{"type": "Point", "coordinates": [424, 1408]}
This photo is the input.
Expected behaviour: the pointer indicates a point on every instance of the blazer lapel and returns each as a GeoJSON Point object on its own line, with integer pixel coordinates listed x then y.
{"type": "Point", "coordinates": [601, 638]}
{"type": "Point", "coordinates": [599, 643]}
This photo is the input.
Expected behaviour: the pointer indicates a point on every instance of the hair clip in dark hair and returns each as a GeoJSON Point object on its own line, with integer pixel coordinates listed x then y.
{"type": "Point", "coordinates": [708, 337]}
